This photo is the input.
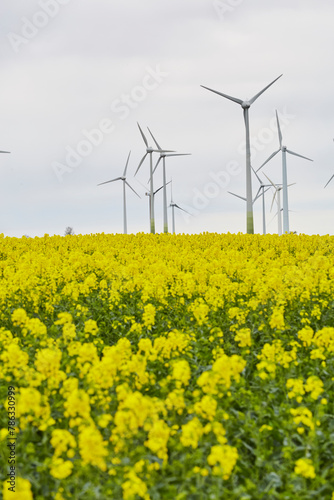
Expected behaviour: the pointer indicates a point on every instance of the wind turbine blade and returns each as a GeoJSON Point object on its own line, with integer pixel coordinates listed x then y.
{"type": "Point", "coordinates": [271, 182]}
{"type": "Point", "coordinates": [270, 157]}
{"type": "Point", "coordinates": [238, 196]}
{"type": "Point", "coordinates": [126, 182]}
{"type": "Point", "coordinates": [155, 192]}
{"type": "Point", "coordinates": [258, 178]}
{"type": "Point", "coordinates": [126, 166]}
{"type": "Point", "coordinates": [279, 131]}
{"type": "Point", "coordinates": [154, 140]}
{"type": "Point", "coordinates": [163, 150]}
{"type": "Point", "coordinates": [141, 162]}
{"type": "Point", "coordinates": [263, 90]}
{"type": "Point", "coordinates": [179, 154]}
{"type": "Point", "coordinates": [296, 154]}
{"type": "Point", "coordinates": [143, 185]}
{"type": "Point", "coordinates": [4, 151]}
{"type": "Point", "coordinates": [329, 180]}
{"type": "Point", "coordinates": [157, 164]}
{"type": "Point", "coordinates": [177, 206]}
{"type": "Point", "coordinates": [161, 187]}
{"type": "Point", "coordinates": [273, 218]}
{"type": "Point", "coordinates": [112, 180]}
{"type": "Point", "coordinates": [273, 200]}
{"type": "Point", "coordinates": [234, 99]}
{"type": "Point", "coordinates": [291, 184]}
{"type": "Point", "coordinates": [258, 194]}
{"type": "Point", "coordinates": [143, 136]}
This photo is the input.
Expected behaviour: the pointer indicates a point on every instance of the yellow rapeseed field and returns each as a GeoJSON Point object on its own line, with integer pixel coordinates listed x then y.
{"type": "Point", "coordinates": [157, 367]}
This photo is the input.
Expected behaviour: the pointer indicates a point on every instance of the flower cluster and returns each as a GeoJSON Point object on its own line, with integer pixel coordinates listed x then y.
{"type": "Point", "coordinates": [164, 366]}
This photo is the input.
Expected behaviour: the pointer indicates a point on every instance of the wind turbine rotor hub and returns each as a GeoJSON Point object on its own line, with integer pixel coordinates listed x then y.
{"type": "Point", "coordinates": [149, 150]}
{"type": "Point", "coordinates": [284, 148]}
{"type": "Point", "coordinates": [245, 105]}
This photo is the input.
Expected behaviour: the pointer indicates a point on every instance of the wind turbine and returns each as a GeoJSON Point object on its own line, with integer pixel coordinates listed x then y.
{"type": "Point", "coordinates": [174, 205]}
{"type": "Point", "coordinates": [278, 188]}
{"type": "Point", "coordinates": [125, 182]}
{"type": "Point", "coordinates": [150, 150]}
{"type": "Point", "coordinates": [284, 150]}
{"type": "Point", "coordinates": [245, 106]}
{"type": "Point", "coordinates": [155, 192]}
{"type": "Point", "coordinates": [163, 155]}
{"type": "Point", "coordinates": [262, 188]}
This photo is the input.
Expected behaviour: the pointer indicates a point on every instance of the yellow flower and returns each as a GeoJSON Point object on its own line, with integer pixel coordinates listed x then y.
{"type": "Point", "coordinates": [315, 386]}
{"type": "Point", "coordinates": [61, 440]}
{"type": "Point", "coordinates": [48, 361]}
{"type": "Point", "coordinates": [93, 448]}
{"type": "Point", "coordinates": [134, 486]}
{"type": "Point", "coordinates": [304, 467]}
{"type": "Point", "coordinates": [206, 408]}
{"type": "Point", "coordinates": [181, 372]}
{"type": "Point", "coordinates": [91, 327]}
{"type": "Point", "coordinates": [296, 387]}
{"type": "Point", "coordinates": [157, 439]}
{"type": "Point", "coordinates": [265, 427]}
{"type": "Point", "coordinates": [19, 317]}
{"type": "Point", "coordinates": [60, 469]}
{"type": "Point", "coordinates": [191, 433]}
{"type": "Point", "coordinates": [303, 416]}
{"type": "Point", "coordinates": [22, 490]}
{"type": "Point", "coordinates": [277, 319]}
{"type": "Point", "coordinates": [149, 316]}
{"type": "Point", "coordinates": [243, 337]}
{"type": "Point", "coordinates": [104, 420]}
{"type": "Point", "coordinates": [200, 310]}
{"type": "Point", "coordinates": [226, 457]}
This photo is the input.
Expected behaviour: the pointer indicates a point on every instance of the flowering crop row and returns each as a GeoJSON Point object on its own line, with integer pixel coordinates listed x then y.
{"type": "Point", "coordinates": [168, 367]}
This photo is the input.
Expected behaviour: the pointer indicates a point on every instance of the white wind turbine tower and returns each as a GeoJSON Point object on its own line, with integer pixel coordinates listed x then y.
{"type": "Point", "coordinates": [150, 151]}
{"type": "Point", "coordinates": [174, 205]}
{"type": "Point", "coordinates": [284, 150]}
{"type": "Point", "coordinates": [264, 190]}
{"type": "Point", "coordinates": [278, 188]}
{"type": "Point", "coordinates": [245, 106]}
{"type": "Point", "coordinates": [125, 182]}
{"type": "Point", "coordinates": [258, 195]}
{"type": "Point", "coordinates": [149, 194]}
{"type": "Point", "coordinates": [163, 156]}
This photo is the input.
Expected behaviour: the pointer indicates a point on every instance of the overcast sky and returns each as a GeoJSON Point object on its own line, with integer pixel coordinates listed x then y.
{"type": "Point", "coordinates": [77, 76]}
